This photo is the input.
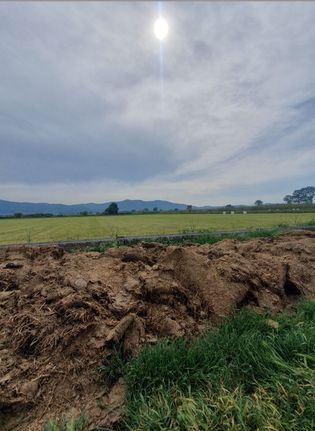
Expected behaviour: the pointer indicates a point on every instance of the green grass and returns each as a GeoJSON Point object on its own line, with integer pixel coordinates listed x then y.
{"type": "Point", "coordinates": [243, 376]}
{"type": "Point", "coordinates": [66, 424]}
{"type": "Point", "coordinates": [74, 228]}
{"type": "Point", "coordinates": [202, 238]}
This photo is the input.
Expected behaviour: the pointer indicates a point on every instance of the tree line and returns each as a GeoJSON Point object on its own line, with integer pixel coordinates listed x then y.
{"type": "Point", "coordinates": [305, 195]}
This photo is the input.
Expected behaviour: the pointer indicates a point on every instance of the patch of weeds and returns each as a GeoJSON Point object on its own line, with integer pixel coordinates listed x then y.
{"type": "Point", "coordinates": [66, 424]}
{"type": "Point", "coordinates": [28, 237]}
{"type": "Point", "coordinates": [98, 247]}
{"type": "Point", "coordinates": [310, 223]}
{"type": "Point", "coordinates": [243, 375]}
{"type": "Point", "coordinates": [212, 237]}
{"type": "Point", "coordinates": [204, 237]}
{"type": "Point", "coordinates": [112, 368]}
{"type": "Point", "coordinates": [283, 225]}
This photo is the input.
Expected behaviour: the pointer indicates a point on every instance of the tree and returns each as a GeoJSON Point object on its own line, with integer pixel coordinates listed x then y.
{"type": "Point", "coordinates": [258, 203]}
{"type": "Point", "coordinates": [112, 209]}
{"type": "Point", "coordinates": [189, 208]}
{"type": "Point", "coordinates": [229, 206]}
{"type": "Point", "coordinates": [18, 215]}
{"type": "Point", "coordinates": [288, 199]}
{"type": "Point", "coordinates": [155, 209]}
{"type": "Point", "coordinates": [305, 195]}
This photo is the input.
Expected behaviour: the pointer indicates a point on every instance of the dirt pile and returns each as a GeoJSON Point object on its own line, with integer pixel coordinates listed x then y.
{"type": "Point", "coordinates": [61, 313]}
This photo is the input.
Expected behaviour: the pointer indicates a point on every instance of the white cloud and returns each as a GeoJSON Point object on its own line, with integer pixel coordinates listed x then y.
{"type": "Point", "coordinates": [86, 79]}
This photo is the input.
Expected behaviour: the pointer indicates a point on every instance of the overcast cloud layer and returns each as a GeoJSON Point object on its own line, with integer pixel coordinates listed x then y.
{"type": "Point", "coordinates": [83, 118]}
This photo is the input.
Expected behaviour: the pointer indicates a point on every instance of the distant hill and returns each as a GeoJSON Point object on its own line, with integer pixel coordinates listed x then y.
{"type": "Point", "coordinates": [10, 208]}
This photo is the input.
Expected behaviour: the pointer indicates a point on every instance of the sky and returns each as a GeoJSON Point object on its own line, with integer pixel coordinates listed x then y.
{"type": "Point", "coordinates": [84, 116]}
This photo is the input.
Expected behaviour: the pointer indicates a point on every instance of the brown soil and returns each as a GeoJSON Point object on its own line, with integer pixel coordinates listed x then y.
{"type": "Point", "coordinates": [62, 313]}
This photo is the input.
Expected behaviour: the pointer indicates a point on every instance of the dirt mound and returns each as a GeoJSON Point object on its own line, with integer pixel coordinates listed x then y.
{"type": "Point", "coordinates": [62, 313]}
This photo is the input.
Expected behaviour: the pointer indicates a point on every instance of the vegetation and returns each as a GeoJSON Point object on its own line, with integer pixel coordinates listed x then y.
{"type": "Point", "coordinates": [251, 373]}
{"type": "Point", "coordinates": [112, 209]}
{"type": "Point", "coordinates": [258, 202]}
{"type": "Point", "coordinates": [202, 238]}
{"type": "Point", "coordinates": [66, 424]}
{"type": "Point", "coordinates": [75, 228]}
{"type": "Point", "coordinates": [304, 195]}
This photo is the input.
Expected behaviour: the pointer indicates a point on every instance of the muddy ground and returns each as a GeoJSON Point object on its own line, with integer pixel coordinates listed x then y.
{"type": "Point", "coordinates": [62, 313]}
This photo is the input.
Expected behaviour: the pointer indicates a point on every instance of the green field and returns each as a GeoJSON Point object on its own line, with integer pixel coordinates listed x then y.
{"type": "Point", "coordinates": [74, 228]}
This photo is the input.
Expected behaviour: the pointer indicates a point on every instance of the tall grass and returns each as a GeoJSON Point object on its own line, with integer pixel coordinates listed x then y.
{"type": "Point", "coordinates": [244, 375]}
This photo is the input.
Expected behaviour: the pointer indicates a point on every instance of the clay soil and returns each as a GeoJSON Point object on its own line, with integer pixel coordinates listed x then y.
{"type": "Point", "coordinates": [62, 313]}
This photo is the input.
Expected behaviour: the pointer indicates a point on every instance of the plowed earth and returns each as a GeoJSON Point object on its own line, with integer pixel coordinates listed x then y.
{"type": "Point", "coordinates": [62, 313]}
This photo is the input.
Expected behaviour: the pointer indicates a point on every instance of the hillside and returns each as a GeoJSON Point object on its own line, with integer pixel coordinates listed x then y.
{"type": "Point", "coordinates": [10, 208]}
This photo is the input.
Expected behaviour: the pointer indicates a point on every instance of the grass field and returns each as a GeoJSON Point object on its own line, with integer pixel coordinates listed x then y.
{"type": "Point", "coordinates": [74, 228]}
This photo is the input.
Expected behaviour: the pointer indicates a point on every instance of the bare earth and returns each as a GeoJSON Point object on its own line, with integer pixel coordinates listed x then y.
{"type": "Point", "coordinates": [62, 313]}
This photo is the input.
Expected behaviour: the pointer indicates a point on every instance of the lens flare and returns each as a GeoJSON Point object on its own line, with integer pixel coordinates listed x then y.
{"type": "Point", "coordinates": [160, 28]}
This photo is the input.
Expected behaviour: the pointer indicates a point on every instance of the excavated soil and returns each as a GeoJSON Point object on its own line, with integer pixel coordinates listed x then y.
{"type": "Point", "coordinates": [62, 313]}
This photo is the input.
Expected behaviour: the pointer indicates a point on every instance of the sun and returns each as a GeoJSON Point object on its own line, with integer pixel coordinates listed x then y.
{"type": "Point", "coordinates": [160, 28]}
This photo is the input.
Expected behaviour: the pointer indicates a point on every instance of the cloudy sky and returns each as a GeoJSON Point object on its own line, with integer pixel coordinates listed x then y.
{"type": "Point", "coordinates": [83, 115]}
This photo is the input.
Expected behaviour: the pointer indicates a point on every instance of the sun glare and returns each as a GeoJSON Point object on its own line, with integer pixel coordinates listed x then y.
{"type": "Point", "coordinates": [160, 28]}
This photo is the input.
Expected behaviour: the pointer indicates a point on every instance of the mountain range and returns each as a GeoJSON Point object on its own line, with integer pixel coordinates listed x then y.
{"type": "Point", "coordinates": [10, 208]}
